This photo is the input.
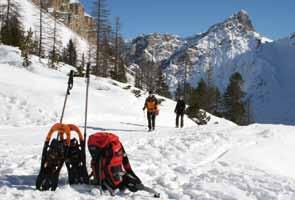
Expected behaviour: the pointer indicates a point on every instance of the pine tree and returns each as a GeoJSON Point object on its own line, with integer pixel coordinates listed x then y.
{"type": "Point", "coordinates": [249, 115]}
{"type": "Point", "coordinates": [27, 47]}
{"type": "Point", "coordinates": [70, 54]}
{"type": "Point", "coordinates": [161, 85]}
{"type": "Point", "coordinates": [12, 33]}
{"type": "Point", "coordinates": [121, 71]}
{"type": "Point", "coordinates": [214, 99]}
{"type": "Point", "coordinates": [81, 67]}
{"type": "Point", "coordinates": [233, 100]}
{"type": "Point", "coordinates": [218, 103]}
{"type": "Point", "coordinates": [198, 99]}
{"type": "Point", "coordinates": [2, 19]}
{"type": "Point", "coordinates": [194, 106]}
{"type": "Point", "coordinates": [212, 91]}
{"type": "Point", "coordinates": [201, 92]}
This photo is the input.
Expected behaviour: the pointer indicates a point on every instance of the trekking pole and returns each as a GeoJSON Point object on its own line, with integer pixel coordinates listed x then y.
{"type": "Point", "coordinates": [86, 103]}
{"type": "Point", "coordinates": [70, 86]}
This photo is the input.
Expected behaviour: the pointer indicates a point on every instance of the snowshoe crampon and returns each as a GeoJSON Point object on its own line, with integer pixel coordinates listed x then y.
{"type": "Point", "coordinates": [76, 159]}
{"type": "Point", "coordinates": [53, 157]}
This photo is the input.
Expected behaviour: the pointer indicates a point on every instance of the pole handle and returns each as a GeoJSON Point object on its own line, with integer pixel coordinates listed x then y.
{"type": "Point", "coordinates": [70, 82]}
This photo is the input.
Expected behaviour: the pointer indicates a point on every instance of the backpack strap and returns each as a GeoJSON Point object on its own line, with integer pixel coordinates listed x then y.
{"type": "Point", "coordinates": [100, 174]}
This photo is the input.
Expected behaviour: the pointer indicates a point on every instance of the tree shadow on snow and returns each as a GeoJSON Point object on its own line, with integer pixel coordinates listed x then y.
{"type": "Point", "coordinates": [20, 182]}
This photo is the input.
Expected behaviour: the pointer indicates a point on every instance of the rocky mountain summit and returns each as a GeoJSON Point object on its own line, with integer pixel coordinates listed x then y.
{"type": "Point", "coordinates": [227, 47]}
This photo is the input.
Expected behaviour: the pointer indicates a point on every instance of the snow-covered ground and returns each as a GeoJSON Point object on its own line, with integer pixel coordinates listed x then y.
{"type": "Point", "coordinates": [219, 161]}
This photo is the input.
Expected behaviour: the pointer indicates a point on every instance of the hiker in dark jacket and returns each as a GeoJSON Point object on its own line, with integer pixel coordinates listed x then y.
{"type": "Point", "coordinates": [151, 104]}
{"type": "Point", "coordinates": [179, 110]}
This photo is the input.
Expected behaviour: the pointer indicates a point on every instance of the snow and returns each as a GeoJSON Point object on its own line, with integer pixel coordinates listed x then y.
{"type": "Point", "coordinates": [219, 161]}
{"type": "Point", "coordinates": [87, 15]}
{"type": "Point", "coordinates": [74, 2]}
{"type": "Point", "coordinates": [29, 13]}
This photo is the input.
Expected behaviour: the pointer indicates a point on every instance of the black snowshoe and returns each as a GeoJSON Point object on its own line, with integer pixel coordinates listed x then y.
{"type": "Point", "coordinates": [53, 157]}
{"type": "Point", "coordinates": [76, 159]}
{"type": "Point", "coordinates": [56, 152]}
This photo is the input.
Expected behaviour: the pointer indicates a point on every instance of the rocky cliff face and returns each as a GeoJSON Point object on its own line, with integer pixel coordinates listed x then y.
{"type": "Point", "coordinates": [72, 14]}
{"type": "Point", "coordinates": [154, 47]}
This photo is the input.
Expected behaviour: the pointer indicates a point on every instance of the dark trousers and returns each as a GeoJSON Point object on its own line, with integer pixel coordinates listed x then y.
{"type": "Point", "coordinates": [179, 115]}
{"type": "Point", "coordinates": [151, 116]}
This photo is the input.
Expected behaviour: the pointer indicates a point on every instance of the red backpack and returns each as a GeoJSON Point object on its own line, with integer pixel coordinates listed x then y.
{"type": "Point", "coordinates": [110, 164]}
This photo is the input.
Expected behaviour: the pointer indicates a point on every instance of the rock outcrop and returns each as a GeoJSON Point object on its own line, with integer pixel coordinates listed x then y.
{"type": "Point", "coordinates": [72, 14]}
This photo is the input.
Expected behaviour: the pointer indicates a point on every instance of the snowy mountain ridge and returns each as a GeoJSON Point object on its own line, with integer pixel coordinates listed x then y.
{"type": "Point", "coordinates": [234, 46]}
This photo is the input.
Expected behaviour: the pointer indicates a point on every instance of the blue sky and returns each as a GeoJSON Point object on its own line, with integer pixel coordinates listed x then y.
{"type": "Point", "coordinates": [272, 18]}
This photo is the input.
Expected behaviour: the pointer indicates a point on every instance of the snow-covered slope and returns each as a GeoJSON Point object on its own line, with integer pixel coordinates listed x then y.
{"type": "Point", "coordinates": [30, 14]}
{"type": "Point", "coordinates": [41, 90]}
{"type": "Point", "coordinates": [220, 161]}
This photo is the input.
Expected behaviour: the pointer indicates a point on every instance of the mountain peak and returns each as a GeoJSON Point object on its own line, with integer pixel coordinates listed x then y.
{"type": "Point", "coordinates": [243, 18]}
{"type": "Point", "coordinates": [242, 12]}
